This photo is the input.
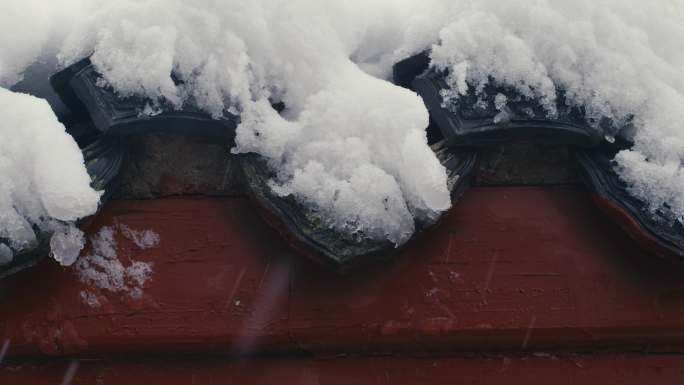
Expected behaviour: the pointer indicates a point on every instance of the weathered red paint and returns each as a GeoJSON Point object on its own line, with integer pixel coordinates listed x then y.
{"type": "Point", "coordinates": [510, 268]}
{"type": "Point", "coordinates": [540, 369]}
{"type": "Point", "coordinates": [635, 230]}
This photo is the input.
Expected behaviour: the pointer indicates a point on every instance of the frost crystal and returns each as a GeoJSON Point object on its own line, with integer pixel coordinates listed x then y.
{"type": "Point", "coordinates": [102, 269]}
{"type": "Point", "coordinates": [66, 244]}
{"type": "Point", "coordinates": [90, 299]}
{"type": "Point", "coordinates": [144, 239]}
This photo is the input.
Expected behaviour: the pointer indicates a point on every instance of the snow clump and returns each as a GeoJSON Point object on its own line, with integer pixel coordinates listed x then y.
{"type": "Point", "coordinates": [343, 131]}
{"type": "Point", "coordinates": [45, 186]}
{"type": "Point", "coordinates": [620, 60]}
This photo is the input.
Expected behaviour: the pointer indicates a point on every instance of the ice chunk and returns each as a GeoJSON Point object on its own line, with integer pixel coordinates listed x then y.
{"type": "Point", "coordinates": [500, 101]}
{"type": "Point", "coordinates": [66, 244]}
{"type": "Point", "coordinates": [505, 115]}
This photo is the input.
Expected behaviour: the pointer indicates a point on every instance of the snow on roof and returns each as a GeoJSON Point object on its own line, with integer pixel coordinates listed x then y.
{"type": "Point", "coordinates": [44, 182]}
{"type": "Point", "coordinates": [351, 145]}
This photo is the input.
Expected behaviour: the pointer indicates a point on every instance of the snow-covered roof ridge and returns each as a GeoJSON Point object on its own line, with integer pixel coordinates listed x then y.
{"type": "Point", "coordinates": [349, 144]}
